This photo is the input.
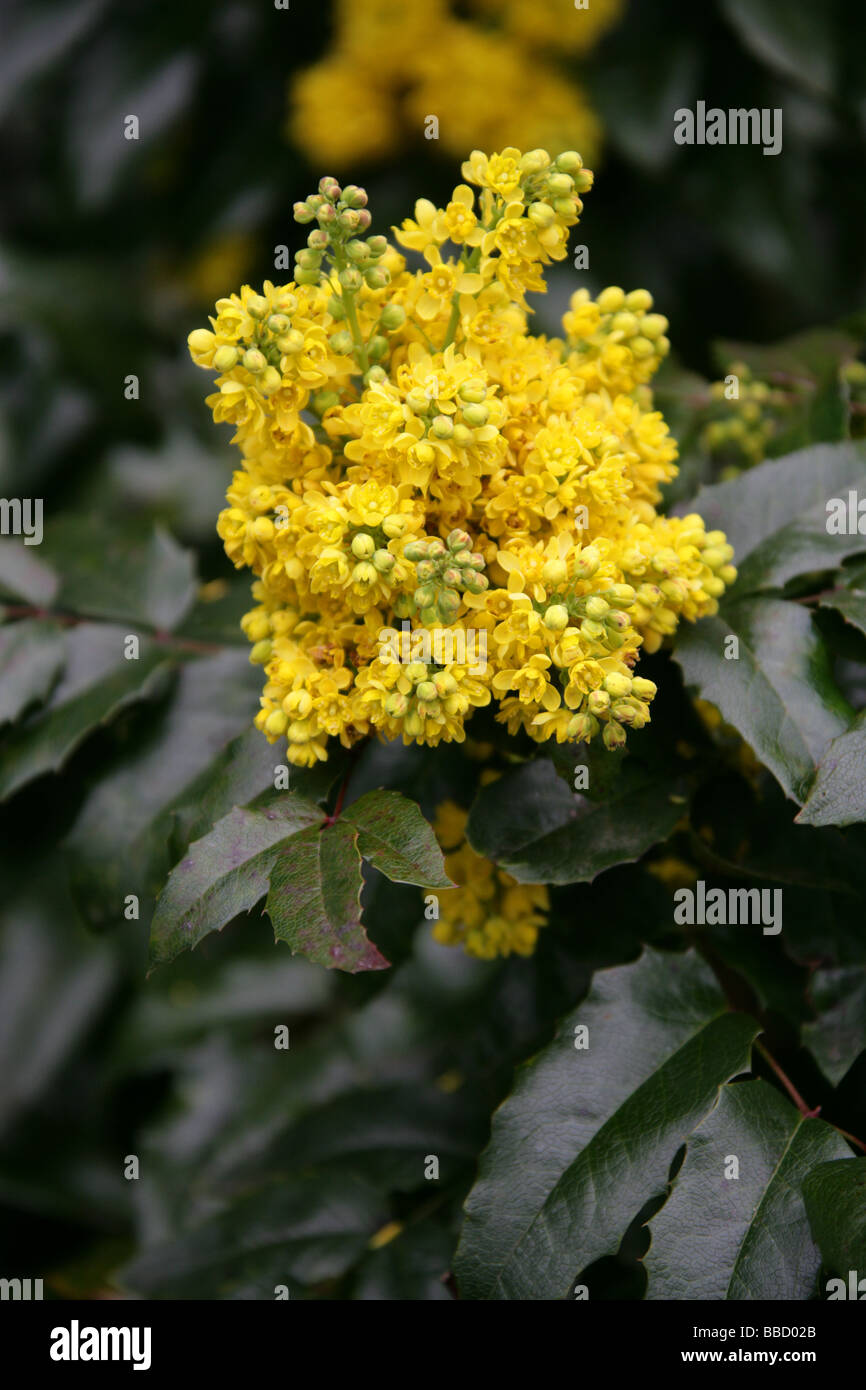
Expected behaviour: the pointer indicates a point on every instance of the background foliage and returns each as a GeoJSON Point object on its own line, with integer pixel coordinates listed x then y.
{"type": "Point", "coordinates": [306, 1167]}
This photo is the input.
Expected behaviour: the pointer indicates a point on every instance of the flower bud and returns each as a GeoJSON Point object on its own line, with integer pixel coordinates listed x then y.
{"type": "Point", "coordinates": [269, 381]}
{"type": "Point", "coordinates": [363, 545]}
{"type": "Point", "coordinates": [569, 162]}
{"type": "Point", "coordinates": [596, 608]}
{"type": "Point", "coordinates": [426, 691]}
{"type": "Point", "coordinates": [614, 735]}
{"type": "Point", "coordinates": [341, 342]}
{"type": "Point", "coordinates": [393, 317]}
{"type": "Point", "coordinates": [541, 214]}
{"type": "Point", "coordinates": [415, 550]}
{"type": "Point", "coordinates": [384, 561]}
{"type": "Point", "coordinates": [254, 361]}
{"type": "Point", "coordinates": [377, 277]}
{"type": "Point", "coordinates": [396, 705]}
{"type": "Point", "coordinates": [200, 340]}
{"type": "Point", "coordinates": [225, 358]}
{"type": "Point", "coordinates": [257, 306]}
{"type": "Point", "coordinates": [377, 347]}
{"type": "Point", "coordinates": [617, 685]}
{"type": "Point", "coordinates": [276, 722]}
{"type": "Point", "coordinates": [291, 342]}
{"type": "Point", "coordinates": [475, 415]}
{"type": "Point", "coordinates": [442, 427]}
{"type": "Point", "coordinates": [556, 617]}
{"type": "Point", "coordinates": [351, 279]}
{"type": "Point", "coordinates": [354, 197]}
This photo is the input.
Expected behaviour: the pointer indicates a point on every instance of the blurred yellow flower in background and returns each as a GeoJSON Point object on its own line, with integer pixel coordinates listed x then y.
{"type": "Point", "coordinates": [490, 81]}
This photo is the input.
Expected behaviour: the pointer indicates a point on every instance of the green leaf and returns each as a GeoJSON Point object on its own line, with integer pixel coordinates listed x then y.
{"type": "Point", "coordinates": [838, 794]}
{"type": "Point", "coordinates": [532, 825]}
{"type": "Point", "coordinates": [849, 599]}
{"type": "Point", "coordinates": [778, 693]}
{"type": "Point", "coordinates": [224, 873]}
{"type": "Point", "coordinates": [412, 1265]}
{"type": "Point", "coordinates": [120, 842]}
{"type": "Point", "coordinates": [775, 515]}
{"type": "Point", "coordinates": [838, 1036]}
{"type": "Point", "coordinates": [25, 577]}
{"type": "Point", "coordinates": [396, 839]}
{"type": "Point", "coordinates": [314, 900]}
{"type": "Point", "coordinates": [794, 40]}
{"type": "Point", "coordinates": [32, 655]}
{"type": "Point", "coordinates": [297, 1234]}
{"type": "Point", "coordinates": [112, 572]}
{"type": "Point", "coordinates": [745, 1237]}
{"type": "Point", "coordinates": [385, 1133]}
{"type": "Point", "coordinates": [835, 1196]}
{"type": "Point", "coordinates": [97, 684]}
{"type": "Point", "coordinates": [588, 1135]}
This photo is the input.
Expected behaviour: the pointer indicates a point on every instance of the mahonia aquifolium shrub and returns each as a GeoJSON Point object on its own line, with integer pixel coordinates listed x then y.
{"type": "Point", "coordinates": [413, 454]}
{"type": "Point", "coordinates": [383, 77]}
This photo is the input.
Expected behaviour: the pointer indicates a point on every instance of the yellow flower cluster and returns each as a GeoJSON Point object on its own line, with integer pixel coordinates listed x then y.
{"type": "Point", "coordinates": [442, 508]}
{"type": "Point", "coordinates": [393, 65]}
{"type": "Point", "coordinates": [489, 913]}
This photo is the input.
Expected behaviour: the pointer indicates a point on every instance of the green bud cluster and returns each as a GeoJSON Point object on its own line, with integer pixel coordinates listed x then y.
{"type": "Point", "coordinates": [342, 217]}
{"type": "Point", "coordinates": [272, 339]}
{"type": "Point", "coordinates": [621, 702]}
{"type": "Point", "coordinates": [373, 559]}
{"type": "Point", "coordinates": [444, 570]}
{"type": "Point", "coordinates": [739, 429]}
{"type": "Point", "coordinates": [553, 188]}
{"type": "Point", "coordinates": [472, 412]}
{"type": "Point", "coordinates": [600, 615]}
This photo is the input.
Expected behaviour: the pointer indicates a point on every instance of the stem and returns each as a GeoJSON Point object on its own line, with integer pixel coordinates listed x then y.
{"type": "Point", "coordinates": [341, 263]}
{"type": "Point", "coordinates": [786, 1082]}
{"type": "Point", "coordinates": [452, 322]}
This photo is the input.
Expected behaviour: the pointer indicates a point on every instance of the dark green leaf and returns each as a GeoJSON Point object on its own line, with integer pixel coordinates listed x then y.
{"type": "Point", "coordinates": [794, 40]}
{"type": "Point", "coordinates": [224, 873]}
{"type": "Point", "coordinates": [25, 577]}
{"type": "Point", "coordinates": [411, 1265]}
{"type": "Point", "coordinates": [744, 1237]}
{"type": "Point", "coordinates": [588, 1135]}
{"type": "Point", "coordinates": [835, 1196]}
{"type": "Point", "coordinates": [31, 656]}
{"type": "Point", "coordinates": [531, 824]}
{"type": "Point", "coordinates": [777, 693]}
{"type": "Point", "coordinates": [314, 900]}
{"type": "Point", "coordinates": [837, 1037]}
{"type": "Point", "coordinates": [97, 684]}
{"type": "Point", "coordinates": [395, 837]}
{"type": "Point", "coordinates": [112, 572]}
{"type": "Point", "coordinates": [298, 1234]}
{"type": "Point", "coordinates": [120, 842]}
{"type": "Point", "coordinates": [838, 794]}
{"type": "Point", "coordinates": [775, 515]}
